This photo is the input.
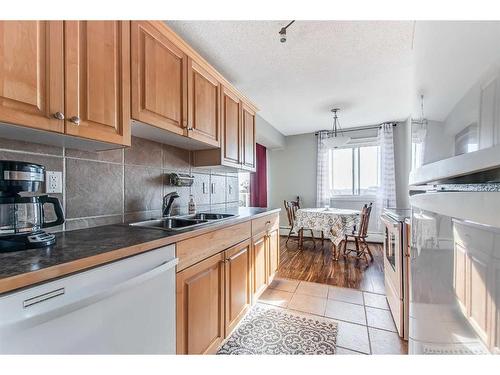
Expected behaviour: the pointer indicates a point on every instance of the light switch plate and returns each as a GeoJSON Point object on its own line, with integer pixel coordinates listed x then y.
{"type": "Point", "coordinates": [53, 182]}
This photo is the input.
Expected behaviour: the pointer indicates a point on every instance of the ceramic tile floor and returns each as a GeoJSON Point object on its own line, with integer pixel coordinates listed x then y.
{"type": "Point", "coordinates": [365, 322]}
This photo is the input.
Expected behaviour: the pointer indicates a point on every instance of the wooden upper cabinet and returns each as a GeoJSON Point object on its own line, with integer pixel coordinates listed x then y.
{"type": "Point", "coordinates": [238, 288]}
{"type": "Point", "coordinates": [97, 86]}
{"type": "Point", "coordinates": [203, 105]}
{"type": "Point", "coordinates": [248, 142]}
{"type": "Point", "coordinates": [231, 129]}
{"type": "Point", "coordinates": [159, 79]}
{"type": "Point", "coordinates": [32, 74]}
{"type": "Point", "coordinates": [200, 306]}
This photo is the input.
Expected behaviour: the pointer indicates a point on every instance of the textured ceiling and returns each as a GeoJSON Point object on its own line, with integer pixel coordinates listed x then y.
{"type": "Point", "coordinates": [363, 67]}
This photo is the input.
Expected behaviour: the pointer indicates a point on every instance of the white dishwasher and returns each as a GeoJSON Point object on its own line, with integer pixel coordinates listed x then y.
{"type": "Point", "coordinates": [125, 307]}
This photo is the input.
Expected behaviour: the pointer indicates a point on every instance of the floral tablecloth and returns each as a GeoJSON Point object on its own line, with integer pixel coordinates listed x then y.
{"type": "Point", "coordinates": [334, 222]}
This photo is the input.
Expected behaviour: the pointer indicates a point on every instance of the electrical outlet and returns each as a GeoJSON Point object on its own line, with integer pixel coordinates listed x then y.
{"type": "Point", "coordinates": [53, 182]}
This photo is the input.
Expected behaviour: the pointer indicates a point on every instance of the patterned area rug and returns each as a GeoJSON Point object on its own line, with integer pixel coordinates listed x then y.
{"type": "Point", "coordinates": [271, 330]}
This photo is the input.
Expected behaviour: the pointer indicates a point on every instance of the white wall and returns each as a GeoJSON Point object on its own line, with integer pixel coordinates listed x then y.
{"type": "Point", "coordinates": [438, 143]}
{"type": "Point", "coordinates": [267, 135]}
{"type": "Point", "coordinates": [292, 172]}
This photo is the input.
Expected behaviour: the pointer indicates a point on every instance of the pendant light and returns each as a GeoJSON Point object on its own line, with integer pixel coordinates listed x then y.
{"type": "Point", "coordinates": [335, 140]}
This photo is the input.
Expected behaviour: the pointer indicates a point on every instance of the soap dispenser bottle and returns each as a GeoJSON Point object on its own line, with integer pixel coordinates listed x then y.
{"type": "Point", "coordinates": [192, 205]}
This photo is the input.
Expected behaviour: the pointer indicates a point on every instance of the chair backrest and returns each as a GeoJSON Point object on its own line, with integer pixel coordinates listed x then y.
{"type": "Point", "coordinates": [291, 207]}
{"type": "Point", "coordinates": [364, 220]}
{"type": "Point", "coordinates": [297, 202]}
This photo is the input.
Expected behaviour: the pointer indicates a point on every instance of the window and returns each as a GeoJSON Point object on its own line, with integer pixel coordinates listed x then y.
{"type": "Point", "coordinates": [355, 171]}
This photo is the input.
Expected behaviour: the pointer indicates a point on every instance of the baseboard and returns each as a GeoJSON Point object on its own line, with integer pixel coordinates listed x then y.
{"type": "Point", "coordinates": [375, 237]}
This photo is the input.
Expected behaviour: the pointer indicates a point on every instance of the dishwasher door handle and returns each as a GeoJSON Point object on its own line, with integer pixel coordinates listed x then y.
{"type": "Point", "coordinates": [45, 316]}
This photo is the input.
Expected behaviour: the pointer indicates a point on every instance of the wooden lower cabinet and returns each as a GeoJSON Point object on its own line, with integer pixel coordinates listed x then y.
{"type": "Point", "coordinates": [200, 306]}
{"type": "Point", "coordinates": [214, 294]}
{"type": "Point", "coordinates": [273, 243]}
{"type": "Point", "coordinates": [238, 287]}
{"type": "Point", "coordinates": [259, 266]}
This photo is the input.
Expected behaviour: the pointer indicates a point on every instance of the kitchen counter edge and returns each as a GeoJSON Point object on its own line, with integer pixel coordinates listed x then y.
{"type": "Point", "coordinates": [26, 279]}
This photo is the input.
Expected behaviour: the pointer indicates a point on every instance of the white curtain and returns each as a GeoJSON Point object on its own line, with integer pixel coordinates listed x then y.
{"type": "Point", "coordinates": [322, 194]}
{"type": "Point", "coordinates": [386, 195]}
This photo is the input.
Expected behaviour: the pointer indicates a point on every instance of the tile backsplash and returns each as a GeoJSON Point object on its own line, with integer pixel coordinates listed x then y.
{"type": "Point", "coordinates": [122, 185]}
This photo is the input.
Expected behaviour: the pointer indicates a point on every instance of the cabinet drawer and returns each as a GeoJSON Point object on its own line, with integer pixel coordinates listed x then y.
{"type": "Point", "coordinates": [265, 223]}
{"type": "Point", "coordinates": [195, 249]}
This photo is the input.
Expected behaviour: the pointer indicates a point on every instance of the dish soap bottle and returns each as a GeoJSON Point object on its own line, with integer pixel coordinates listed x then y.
{"type": "Point", "coordinates": [191, 206]}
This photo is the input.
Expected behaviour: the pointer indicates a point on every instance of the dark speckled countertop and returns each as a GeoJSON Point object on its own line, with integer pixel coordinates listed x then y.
{"type": "Point", "coordinates": [84, 248]}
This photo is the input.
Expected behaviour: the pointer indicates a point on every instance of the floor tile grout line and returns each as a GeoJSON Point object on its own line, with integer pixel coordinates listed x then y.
{"type": "Point", "coordinates": [367, 330]}
{"type": "Point", "coordinates": [352, 350]}
{"type": "Point", "coordinates": [342, 320]}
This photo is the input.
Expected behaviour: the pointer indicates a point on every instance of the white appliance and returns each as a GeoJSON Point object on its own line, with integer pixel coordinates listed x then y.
{"type": "Point", "coordinates": [396, 266]}
{"type": "Point", "coordinates": [455, 270]}
{"type": "Point", "coordinates": [125, 307]}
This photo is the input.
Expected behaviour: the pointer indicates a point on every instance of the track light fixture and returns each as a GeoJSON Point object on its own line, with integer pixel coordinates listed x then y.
{"type": "Point", "coordinates": [282, 32]}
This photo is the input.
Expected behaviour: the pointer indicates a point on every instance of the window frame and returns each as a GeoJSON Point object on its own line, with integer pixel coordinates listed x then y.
{"type": "Point", "coordinates": [356, 172]}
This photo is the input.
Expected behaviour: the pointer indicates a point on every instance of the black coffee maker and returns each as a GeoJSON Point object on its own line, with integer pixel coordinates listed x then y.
{"type": "Point", "coordinates": [22, 216]}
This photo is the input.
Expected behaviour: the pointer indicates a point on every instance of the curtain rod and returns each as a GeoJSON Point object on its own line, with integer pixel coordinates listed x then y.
{"type": "Point", "coordinates": [357, 129]}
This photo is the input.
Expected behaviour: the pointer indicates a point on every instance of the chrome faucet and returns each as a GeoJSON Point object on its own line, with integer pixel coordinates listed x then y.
{"type": "Point", "coordinates": [168, 200]}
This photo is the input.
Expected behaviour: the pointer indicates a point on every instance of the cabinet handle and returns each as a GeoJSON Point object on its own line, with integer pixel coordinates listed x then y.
{"type": "Point", "coordinates": [59, 116]}
{"type": "Point", "coordinates": [75, 120]}
{"type": "Point", "coordinates": [213, 187]}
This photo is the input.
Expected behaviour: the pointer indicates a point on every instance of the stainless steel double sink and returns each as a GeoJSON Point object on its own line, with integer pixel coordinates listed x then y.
{"type": "Point", "coordinates": [175, 223]}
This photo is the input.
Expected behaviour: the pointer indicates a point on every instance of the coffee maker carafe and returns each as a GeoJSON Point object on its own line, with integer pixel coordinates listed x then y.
{"type": "Point", "coordinates": [22, 213]}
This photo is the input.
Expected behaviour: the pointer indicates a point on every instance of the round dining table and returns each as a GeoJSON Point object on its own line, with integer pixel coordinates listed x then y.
{"type": "Point", "coordinates": [334, 223]}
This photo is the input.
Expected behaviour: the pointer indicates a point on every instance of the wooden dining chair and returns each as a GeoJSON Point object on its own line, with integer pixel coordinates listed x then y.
{"type": "Point", "coordinates": [359, 235]}
{"type": "Point", "coordinates": [291, 208]}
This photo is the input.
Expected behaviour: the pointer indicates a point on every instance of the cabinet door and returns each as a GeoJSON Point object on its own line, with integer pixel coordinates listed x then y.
{"type": "Point", "coordinates": [273, 242]}
{"type": "Point", "coordinates": [238, 289]}
{"type": "Point", "coordinates": [495, 329]}
{"type": "Point", "coordinates": [248, 145]}
{"type": "Point", "coordinates": [231, 129]}
{"type": "Point", "coordinates": [159, 79]}
{"type": "Point", "coordinates": [97, 85]}
{"type": "Point", "coordinates": [460, 275]}
{"type": "Point", "coordinates": [200, 306]}
{"type": "Point", "coordinates": [478, 295]}
{"type": "Point", "coordinates": [32, 74]}
{"type": "Point", "coordinates": [203, 105]}
{"type": "Point", "coordinates": [259, 266]}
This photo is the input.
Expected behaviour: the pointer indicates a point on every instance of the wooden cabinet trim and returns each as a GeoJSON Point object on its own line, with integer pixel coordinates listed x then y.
{"type": "Point", "coordinates": [257, 289]}
{"type": "Point", "coordinates": [195, 249]}
{"type": "Point", "coordinates": [49, 81]}
{"type": "Point", "coordinates": [139, 31]}
{"type": "Point", "coordinates": [188, 50]}
{"type": "Point", "coordinates": [248, 162]}
{"type": "Point", "coordinates": [183, 331]}
{"type": "Point", "coordinates": [227, 159]}
{"type": "Point", "coordinates": [231, 254]}
{"type": "Point", "coordinates": [193, 130]}
{"type": "Point", "coordinates": [273, 242]}
{"type": "Point", "coordinates": [116, 128]}
{"type": "Point", "coordinates": [265, 224]}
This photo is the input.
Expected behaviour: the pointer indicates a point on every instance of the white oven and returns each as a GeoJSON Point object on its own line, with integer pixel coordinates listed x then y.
{"type": "Point", "coordinates": [396, 267]}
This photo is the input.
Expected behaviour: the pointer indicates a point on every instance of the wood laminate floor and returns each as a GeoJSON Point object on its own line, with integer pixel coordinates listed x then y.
{"type": "Point", "coordinates": [316, 264]}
